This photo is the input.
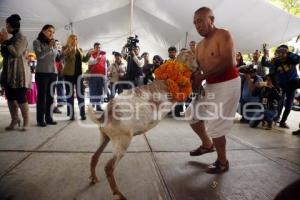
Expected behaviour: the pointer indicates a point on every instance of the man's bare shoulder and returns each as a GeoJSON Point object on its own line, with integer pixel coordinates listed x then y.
{"type": "Point", "coordinates": [199, 44]}
{"type": "Point", "coordinates": [222, 33]}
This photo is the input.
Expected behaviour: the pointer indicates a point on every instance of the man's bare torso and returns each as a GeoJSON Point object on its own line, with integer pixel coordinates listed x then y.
{"type": "Point", "coordinates": [208, 51]}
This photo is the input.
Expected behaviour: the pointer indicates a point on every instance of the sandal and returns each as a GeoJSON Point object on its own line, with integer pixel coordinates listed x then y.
{"type": "Point", "coordinates": [217, 168]}
{"type": "Point", "coordinates": [296, 132]}
{"type": "Point", "coordinates": [202, 150]}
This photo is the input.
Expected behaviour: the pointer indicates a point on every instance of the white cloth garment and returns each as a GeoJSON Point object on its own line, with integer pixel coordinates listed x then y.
{"type": "Point", "coordinates": [217, 108]}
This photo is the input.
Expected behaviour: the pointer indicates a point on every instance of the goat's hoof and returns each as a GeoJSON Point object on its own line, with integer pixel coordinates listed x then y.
{"type": "Point", "coordinates": [120, 195]}
{"type": "Point", "coordinates": [94, 180]}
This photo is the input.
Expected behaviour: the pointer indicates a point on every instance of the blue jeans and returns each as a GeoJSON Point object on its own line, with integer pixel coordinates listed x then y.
{"type": "Point", "coordinates": [287, 98]}
{"type": "Point", "coordinates": [266, 115]}
{"type": "Point", "coordinates": [60, 91]}
{"type": "Point", "coordinates": [77, 84]}
{"type": "Point", "coordinates": [248, 111]}
{"type": "Point", "coordinates": [96, 85]}
{"type": "Point", "coordinates": [115, 88]}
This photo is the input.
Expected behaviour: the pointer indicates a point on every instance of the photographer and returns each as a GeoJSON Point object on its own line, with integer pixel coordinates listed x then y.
{"type": "Point", "coordinates": [250, 82]}
{"type": "Point", "coordinates": [269, 95]}
{"type": "Point", "coordinates": [130, 53]}
{"type": "Point", "coordinates": [283, 67]}
{"type": "Point", "coordinates": [261, 71]}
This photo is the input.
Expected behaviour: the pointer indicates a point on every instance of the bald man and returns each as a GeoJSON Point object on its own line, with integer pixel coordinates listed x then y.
{"type": "Point", "coordinates": [212, 115]}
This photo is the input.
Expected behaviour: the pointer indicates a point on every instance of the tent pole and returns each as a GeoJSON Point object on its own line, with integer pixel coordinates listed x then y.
{"type": "Point", "coordinates": [131, 18]}
{"type": "Point", "coordinates": [71, 25]}
{"type": "Point", "coordinates": [186, 38]}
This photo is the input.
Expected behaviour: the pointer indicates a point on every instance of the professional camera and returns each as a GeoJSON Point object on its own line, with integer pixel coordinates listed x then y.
{"type": "Point", "coordinates": [131, 42]}
{"type": "Point", "coordinates": [247, 69]}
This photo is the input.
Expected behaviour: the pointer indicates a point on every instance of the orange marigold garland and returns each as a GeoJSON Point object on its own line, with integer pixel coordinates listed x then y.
{"type": "Point", "coordinates": [177, 77]}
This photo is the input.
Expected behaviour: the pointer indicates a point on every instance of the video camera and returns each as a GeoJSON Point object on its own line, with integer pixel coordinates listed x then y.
{"type": "Point", "coordinates": [131, 42]}
{"type": "Point", "coordinates": [247, 69]}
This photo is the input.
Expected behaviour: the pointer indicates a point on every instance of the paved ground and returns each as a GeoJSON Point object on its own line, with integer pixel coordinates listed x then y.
{"type": "Point", "coordinates": [53, 163]}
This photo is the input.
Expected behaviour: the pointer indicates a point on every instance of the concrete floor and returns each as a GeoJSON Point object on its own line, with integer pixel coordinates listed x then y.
{"type": "Point", "coordinates": [53, 163]}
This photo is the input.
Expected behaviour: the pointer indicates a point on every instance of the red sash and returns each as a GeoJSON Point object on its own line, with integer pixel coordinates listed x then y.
{"type": "Point", "coordinates": [231, 73]}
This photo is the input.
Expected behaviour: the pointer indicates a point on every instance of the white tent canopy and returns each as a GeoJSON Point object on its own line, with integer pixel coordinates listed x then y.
{"type": "Point", "coordinates": [158, 23]}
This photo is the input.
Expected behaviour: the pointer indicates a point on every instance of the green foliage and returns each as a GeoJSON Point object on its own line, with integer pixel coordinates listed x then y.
{"type": "Point", "coordinates": [291, 6]}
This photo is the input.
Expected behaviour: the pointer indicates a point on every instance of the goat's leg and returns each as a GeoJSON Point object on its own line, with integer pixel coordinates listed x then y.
{"type": "Point", "coordinates": [95, 158]}
{"type": "Point", "coordinates": [119, 149]}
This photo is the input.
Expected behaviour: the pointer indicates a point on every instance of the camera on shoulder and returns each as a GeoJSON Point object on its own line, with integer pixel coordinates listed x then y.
{"type": "Point", "coordinates": [132, 42]}
{"type": "Point", "coordinates": [247, 69]}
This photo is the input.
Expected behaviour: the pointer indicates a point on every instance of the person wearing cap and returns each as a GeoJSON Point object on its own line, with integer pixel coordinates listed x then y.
{"type": "Point", "coordinates": [157, 60]}
{"type": "Point", "coordinates": [16, 76]}
{"type": "Point", "coordinates": [284, 69]}
{"type": "Point", "coordinates": [116, 73]}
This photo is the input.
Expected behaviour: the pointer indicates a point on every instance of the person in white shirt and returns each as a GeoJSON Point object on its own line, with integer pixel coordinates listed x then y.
{"type": "Point", "coordinates": [116, 73]}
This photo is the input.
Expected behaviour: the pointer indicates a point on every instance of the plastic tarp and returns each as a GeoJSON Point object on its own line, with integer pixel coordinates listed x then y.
{"type": "Point", "coordinates": [158, 23]}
